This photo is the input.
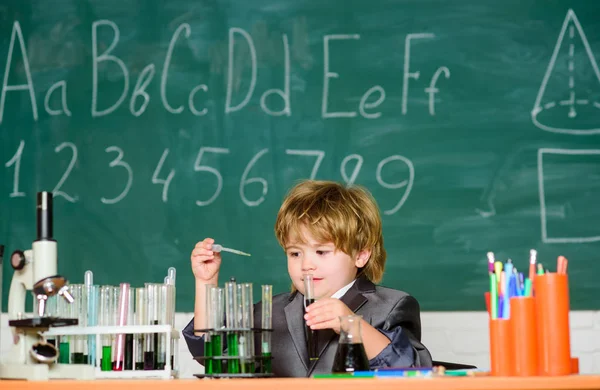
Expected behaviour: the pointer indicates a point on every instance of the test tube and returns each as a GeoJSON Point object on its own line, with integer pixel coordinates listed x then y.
{"type": "Point", "coordinates": [91, 292]}
{"type": "Point", "coordinates": [217, 304]}
{"type": "Point", "coordinates": [129, 336]}
{"type": "Point", "coordinates": [151, 341]}
{"type": "Point", "coordinates": [77, 341]}
{"type": "Point", "coordinates": [247, 323]}
{"type": "Point", "coordinates": [51, 311]}
{"type": "Point", "coordinates": [64, 347]}
{"type": "Point", "coordinates": [233, 365]}
{"type": "Point", "coordinates": [239, 324]}
{"type": "Point", "coordinates": [114, 321]}
{"type": "Point", "coordinates": [164, 318]}
{"type": "Point", "coordinates": [266, 323]}
{"type": "Point", "coordinates": [171, 274]}
{"type": "Point", "coordinates": [140, 319]}
{"type": "Point", "coordinates": [123, 309]}
{"type": "Point", "coordinates": [311, 335]}
{"type": "Point", "coordinates": [172, 299]}
{"type": "Point", "coordinates": [105, 319]}
{"type": "Point", "coordinates": [208, 314]}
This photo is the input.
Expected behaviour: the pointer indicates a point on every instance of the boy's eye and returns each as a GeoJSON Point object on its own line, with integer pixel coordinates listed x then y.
{"type": "Point", "coordinates": [322, 252]}
{"type": "Point", "coordinates": [293, 254]}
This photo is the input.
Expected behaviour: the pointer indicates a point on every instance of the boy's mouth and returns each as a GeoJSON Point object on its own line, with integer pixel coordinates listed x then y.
{"type": "Point", "coordinates": [315, 279]}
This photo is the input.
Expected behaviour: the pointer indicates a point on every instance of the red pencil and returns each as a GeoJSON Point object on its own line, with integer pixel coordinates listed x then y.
{"type": "Point", "coordinates": [561, 265]}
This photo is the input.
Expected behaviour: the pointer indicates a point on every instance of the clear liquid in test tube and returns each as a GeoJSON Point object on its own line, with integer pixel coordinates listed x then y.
{"type": "Point", "coordinates": [266, 323]}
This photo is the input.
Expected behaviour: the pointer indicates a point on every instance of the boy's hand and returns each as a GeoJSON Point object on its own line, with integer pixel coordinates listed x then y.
{"type": "Point", "coordinates": [325, 313]}
{"type": "Point", "coordinates": [205, 263]}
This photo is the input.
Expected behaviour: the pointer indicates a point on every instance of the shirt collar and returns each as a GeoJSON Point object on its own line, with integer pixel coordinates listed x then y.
{"type": "Point", "coordinates": [340, 293]}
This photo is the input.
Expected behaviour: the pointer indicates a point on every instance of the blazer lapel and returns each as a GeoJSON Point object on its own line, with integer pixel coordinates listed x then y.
{"type": "Point", "coordinates": [354, 300]}
{"type": "Point", "coordinates": [294, 316]}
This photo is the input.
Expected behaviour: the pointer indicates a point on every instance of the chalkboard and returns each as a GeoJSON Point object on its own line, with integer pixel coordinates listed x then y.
{"type": "Point", "coordinates": [476, 126]}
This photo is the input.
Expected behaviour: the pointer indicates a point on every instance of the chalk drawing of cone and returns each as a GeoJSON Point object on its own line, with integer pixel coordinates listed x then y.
{"type": "Point", "coordinates": [569, 97]}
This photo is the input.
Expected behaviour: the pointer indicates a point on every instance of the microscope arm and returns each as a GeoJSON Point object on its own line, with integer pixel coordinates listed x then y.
{"type": "Point", "coordinates": [21, 282]}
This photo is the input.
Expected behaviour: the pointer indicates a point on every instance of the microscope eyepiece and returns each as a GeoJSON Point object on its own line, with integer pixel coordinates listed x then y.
{"type": "Point", "coordinates": [44, 216]}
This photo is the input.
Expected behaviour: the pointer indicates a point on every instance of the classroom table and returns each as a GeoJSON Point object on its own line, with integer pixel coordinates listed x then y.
{"type": "Point", "coordinates": [449, 383]}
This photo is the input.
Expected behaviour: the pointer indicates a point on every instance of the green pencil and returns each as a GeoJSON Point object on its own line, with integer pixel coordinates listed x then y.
{"type": "Point", "coordinates": [493, 295]}
{"type": "Point", "coordinates": [527, 292]}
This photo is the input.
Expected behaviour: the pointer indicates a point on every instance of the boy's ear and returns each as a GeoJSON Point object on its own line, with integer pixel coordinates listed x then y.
{"type": "Point", "coordinates": [362, 258]}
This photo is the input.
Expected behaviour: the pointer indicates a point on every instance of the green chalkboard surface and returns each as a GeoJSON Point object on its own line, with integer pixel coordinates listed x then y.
{"type": "Point", "coordinates": [476, 126]}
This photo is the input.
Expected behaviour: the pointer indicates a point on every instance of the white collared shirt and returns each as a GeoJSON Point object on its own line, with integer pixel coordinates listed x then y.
{"type": "Point", "coordinates": [340, 293]}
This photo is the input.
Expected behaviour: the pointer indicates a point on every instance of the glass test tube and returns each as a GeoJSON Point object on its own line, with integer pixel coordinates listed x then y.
{"type": "Point", "coordinates": [247, 323]}
{"type": "Point", "coordinates": [51, 311]}
{"type": "Point", "coordinates": [266, 323]}
{"type": "Point", "coordinates": [129, 336]}
{"type": "Point", "coordinates": [239, 324]}
{"type": "Point", "coordinates": [91, 293]}
{"type": "Point", "coordinates": [311, 335]}
{"type": "Point", "coordinates": [106, 319]}
{"type": "Point", "coordinates": [151, 341]}
{"type": "Point", "coordinates": [122, 315]}
{"type": "Point", "coordinates": [217, 304]}
{"type": "Point", "coordinates": [77, 311]}
{"type": "Point", "coordinates": [114, 321]}
{"type": "Point", "coordinates": [208, 313]}
{"type": "Point", "coordinates": [64, 347]}
{"type": "Point", "coordinates": [171, 274]}
{"type": "Point", "coordinates": [172, 292]}
{"type": "Point", "coordinates": [233, 365]}
{"type": "Point", "coordinates": [140, 319]}
{"type": "Point", "coordinates": [164, 318]}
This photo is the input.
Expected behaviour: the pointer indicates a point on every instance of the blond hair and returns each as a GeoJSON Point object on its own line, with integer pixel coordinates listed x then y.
{"type": "Point", "coordinates": [346, 216]}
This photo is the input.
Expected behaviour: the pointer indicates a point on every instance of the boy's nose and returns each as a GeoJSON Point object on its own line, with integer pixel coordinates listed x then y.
{"type": "Point", "coordinates": [307, 264]}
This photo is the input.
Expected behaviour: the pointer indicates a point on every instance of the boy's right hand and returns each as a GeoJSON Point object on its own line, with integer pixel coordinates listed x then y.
{"type": "Point", "coordinates": [205, 262]}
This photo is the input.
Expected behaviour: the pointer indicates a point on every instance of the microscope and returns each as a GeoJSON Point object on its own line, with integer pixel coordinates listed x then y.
{"type": "Point", "coordinates": [31, 356]}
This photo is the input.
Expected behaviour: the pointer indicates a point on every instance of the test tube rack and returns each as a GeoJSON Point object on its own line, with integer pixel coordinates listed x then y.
{"type": "Point", "coordinates": [171, 334]}
{"type": "Point", "coordinates": [258, 361]}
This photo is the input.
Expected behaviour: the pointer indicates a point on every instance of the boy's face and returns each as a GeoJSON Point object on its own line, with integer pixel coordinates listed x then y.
{"type": "Point", "coordinates": [331, 268]}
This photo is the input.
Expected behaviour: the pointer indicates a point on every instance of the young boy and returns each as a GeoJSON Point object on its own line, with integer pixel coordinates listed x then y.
{"type": "Point", "coordinates": [334, 233]}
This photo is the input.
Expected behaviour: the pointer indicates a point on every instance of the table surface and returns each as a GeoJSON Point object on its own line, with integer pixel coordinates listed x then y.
{"type": "Point", "coordinates": [571, 382]}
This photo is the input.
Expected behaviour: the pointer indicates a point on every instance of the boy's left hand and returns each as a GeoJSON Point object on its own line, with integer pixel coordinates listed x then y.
{"type": "Point", "coordinates": [325, 313]}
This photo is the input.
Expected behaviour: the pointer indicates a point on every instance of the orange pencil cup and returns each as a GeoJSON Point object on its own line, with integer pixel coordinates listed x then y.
{"type": "Point", "coordinates": [524, 332]}
{"type": "Point", "coordinates": [501, 347]}
{"type": "Point", "coordinates": [552, 311]}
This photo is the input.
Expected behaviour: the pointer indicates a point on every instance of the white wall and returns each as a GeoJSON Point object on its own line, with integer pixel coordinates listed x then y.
{"type": "Point", "coordinates": [460, 337]}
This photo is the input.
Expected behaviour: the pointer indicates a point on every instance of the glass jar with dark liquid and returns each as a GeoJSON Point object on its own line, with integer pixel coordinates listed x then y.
{"type": "Point", "coordinates": [350, 355]}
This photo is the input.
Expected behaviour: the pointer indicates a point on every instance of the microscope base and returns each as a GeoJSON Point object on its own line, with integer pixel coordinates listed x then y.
{"type": "Point", "coordinates": [41, 372]}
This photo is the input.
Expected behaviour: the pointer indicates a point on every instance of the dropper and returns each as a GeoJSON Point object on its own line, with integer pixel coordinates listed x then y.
{"type": "Point", "coordinates": [221, 248]}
